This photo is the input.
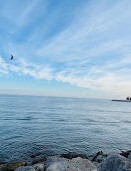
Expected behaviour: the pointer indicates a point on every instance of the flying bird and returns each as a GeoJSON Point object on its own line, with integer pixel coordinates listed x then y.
{"type": "Point", "coordinates": [11, 57]}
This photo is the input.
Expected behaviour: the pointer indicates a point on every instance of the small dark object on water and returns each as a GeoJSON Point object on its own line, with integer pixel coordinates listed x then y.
{"type": "Point", "coordinates": [34, 155]}
{"type": "Point", "coordinates": [125, 153]}
{"type": "Point", "coordinates": [71, 155]}
{"type": "Point", "coordinates": [2, 163]}
{"type": "Point", "coordinates": [99, 157]}
{"type": "Point", "coordinates": [39, 160]}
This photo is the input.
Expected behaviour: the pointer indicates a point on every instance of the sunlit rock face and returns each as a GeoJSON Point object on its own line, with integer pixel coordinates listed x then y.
{"type": "Point", "coordinates": [75, 164]}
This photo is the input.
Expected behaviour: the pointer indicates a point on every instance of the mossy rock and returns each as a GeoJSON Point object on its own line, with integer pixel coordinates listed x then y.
{"type": "Point", "coordinates": [11, 166]}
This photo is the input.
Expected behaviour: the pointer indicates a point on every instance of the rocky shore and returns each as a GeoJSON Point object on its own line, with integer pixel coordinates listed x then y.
{"type": "Point", "coordinates": [75, 162]}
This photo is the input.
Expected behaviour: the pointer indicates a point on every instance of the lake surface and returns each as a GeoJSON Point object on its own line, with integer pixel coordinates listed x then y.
{"type": "Point", "coordinates": [44, 126]}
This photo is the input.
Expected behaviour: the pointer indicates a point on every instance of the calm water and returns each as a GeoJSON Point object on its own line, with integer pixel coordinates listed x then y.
{"type": "Point", "coordinates": [50, 125]}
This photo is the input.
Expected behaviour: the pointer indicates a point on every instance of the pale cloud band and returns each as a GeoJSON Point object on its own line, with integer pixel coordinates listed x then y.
{"type": "Point", "coordinates": [106, 81]}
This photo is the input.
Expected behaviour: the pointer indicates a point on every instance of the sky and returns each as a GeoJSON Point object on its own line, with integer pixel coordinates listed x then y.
{"type": "Point", "coordinates": [70, 48]}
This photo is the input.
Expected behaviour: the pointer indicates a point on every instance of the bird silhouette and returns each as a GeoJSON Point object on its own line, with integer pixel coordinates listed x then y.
{"type": "Point", "coordinates": [11, 57]}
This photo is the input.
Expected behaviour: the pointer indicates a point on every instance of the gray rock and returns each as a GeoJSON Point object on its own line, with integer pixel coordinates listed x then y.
{"type": "Point", "coordinates": [53, 159]}
{"type": "Point", "coordinates": [26, 168]}
{"type": "Point", "coordinates": [76, 164]}
{"type": "Point", "coordinates": [39, 167]}
{"type": "Point", "coordinates": [129, 156]}
{"type": "Point", "coordinates": [115, 163]}
{"type": "Point", "coordinates": [57, 166]}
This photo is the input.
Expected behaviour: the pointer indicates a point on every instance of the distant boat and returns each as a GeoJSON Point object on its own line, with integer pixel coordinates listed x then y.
{"type": "Point", "coordinates": [128, 99]}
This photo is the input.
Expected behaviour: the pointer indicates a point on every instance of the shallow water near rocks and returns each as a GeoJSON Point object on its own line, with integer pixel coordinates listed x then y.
{"type": "Point", "coordinates": [32, 127]}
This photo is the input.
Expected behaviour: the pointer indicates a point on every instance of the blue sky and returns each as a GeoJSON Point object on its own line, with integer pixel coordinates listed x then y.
{"type": "Point", "coordinates": [52, 39]}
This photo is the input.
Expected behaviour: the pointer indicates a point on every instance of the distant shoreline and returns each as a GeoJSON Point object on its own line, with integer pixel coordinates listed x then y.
{"type": "Point", "coordinates": [121, 100]}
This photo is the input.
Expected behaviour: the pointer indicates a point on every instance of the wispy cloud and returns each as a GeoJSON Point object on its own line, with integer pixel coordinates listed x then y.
{"type": "Point", "coordinates": [89, 35]}
{"type": "Point", "coordinates": [22, 67]}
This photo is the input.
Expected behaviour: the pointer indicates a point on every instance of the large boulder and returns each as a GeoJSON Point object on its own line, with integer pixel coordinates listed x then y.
{"type": "Point", "coordinates": [115, 163]}
{"type": "Point", "coordinates": [75, 164]}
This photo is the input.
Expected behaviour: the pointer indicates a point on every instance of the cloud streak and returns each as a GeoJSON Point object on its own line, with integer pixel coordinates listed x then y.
{"type": "Point", "coordinates": [96, 79]}
{"type": "Point", "coordinates": [22, 67]}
